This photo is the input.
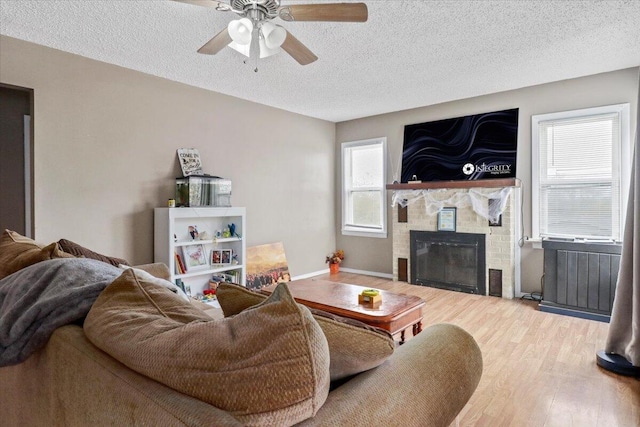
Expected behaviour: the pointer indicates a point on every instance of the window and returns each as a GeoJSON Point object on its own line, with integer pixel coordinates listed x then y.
{"type": "Point", "coordinates": [364, 207]}
{"type": "Point", "coordinates": [580, 171]}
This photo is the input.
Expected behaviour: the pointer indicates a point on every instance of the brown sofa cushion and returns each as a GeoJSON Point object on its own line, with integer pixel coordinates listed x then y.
{"type": "Point", "coordinates": [18, 252]}
{"type": "Point", "coordinates": [354, 346]}
{"type": "Point", "coordinates": [267, 366]}
{"type": "Point", "coordinates": [81, 252]}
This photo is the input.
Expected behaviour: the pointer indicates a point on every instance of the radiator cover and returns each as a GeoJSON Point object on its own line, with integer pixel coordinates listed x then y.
{"type": "Point", "coordinates": [580, 278]}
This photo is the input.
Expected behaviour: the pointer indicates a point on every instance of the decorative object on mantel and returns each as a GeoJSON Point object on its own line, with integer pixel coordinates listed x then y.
{"type": "Point", "coordinates": [334, 261]}
{"type": "Point", "coordinates": [477, 198]}
{"type": "Point", "coordinates": [498, 222]}
{"type": "Point", "coordinates": [447, 219]}
{"type": "Point", "coordinates": [254, 36]}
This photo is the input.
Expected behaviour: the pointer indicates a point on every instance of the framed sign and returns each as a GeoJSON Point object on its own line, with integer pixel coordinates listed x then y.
{"type": "Point", "coordinates": [190, 163]}
{"type": "Point", "coordinates": [447, 219]}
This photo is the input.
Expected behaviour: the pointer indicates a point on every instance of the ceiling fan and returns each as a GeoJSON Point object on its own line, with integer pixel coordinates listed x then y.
{"type": "Point", "coordinates": [255, 36]}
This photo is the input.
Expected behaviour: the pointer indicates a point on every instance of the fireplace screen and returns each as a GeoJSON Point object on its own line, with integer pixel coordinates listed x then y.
{"type": "Point", "coordinates": [454, 261]}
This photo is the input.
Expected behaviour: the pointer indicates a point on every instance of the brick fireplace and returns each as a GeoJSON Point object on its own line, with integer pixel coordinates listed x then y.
{"type": "Point", "coordinates": [501, 273]}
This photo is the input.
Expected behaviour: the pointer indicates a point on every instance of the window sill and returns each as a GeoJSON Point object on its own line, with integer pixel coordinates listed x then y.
{"type": "Point", "coordinates": [535, 243]}
{"type": "Point", "coordinates": [358, 233]}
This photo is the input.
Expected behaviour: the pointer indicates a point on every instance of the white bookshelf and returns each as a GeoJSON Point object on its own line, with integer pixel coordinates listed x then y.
{"type": "Point", "coordinates": [170, 222]}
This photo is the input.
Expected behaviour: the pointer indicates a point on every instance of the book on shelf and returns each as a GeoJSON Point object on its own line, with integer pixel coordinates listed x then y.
{"type": "Point", "coordinates": [180, 268]}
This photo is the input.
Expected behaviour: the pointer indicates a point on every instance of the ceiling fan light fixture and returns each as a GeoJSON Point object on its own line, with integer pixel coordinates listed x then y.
{"type": "Point", "coordinates": [266, 51]}
{"type": "Point", "coordinates": [273, 35]}
{"type": "Point", "coordinates": [240, 31]}
{"type": "Point", "coordinates": [245, 49]}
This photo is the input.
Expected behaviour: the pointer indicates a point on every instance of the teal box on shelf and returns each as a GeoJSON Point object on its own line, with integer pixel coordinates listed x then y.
{"type": "Point", "coordinates": [203, 190]}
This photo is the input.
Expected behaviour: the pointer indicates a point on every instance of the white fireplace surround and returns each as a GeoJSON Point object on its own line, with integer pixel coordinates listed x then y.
{"type": "Point", "coordinates": [502, 249]}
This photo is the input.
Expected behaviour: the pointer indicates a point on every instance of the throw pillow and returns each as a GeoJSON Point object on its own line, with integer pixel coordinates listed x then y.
{"type": "Point", "coordinates": [81, 252]}
{"type": "Point", "coordinates": [157, 269]}
{"type": "Point", "coordinates": [266, 366]}
{"type": "Point", "coordinates": [143, 272]}
{"type": "Point", "coordinates": [354, 346]}
{"type": "Point", "coordinates": [18, 252]}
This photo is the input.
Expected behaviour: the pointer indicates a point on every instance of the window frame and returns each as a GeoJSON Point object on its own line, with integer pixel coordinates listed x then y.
{"type": "Point", "coordinates": [354, 229]}
{"type": "Point", "coordinates": [623, 156]}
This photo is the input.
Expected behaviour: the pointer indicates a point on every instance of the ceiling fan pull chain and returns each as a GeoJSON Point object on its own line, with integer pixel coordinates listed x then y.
{"type": "Point", "coordinates": [255, 46]}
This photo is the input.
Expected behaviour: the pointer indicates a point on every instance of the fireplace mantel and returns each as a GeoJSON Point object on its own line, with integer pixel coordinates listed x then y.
{"type": "Point", "coordinates": [480, 183]}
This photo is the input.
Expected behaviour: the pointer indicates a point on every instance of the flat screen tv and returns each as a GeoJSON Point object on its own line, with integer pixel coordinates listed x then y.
{"type": "Point", "coordinates": [480, 146]}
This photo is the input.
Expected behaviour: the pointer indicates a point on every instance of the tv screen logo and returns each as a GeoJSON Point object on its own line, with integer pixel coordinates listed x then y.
{"type": "Point", "coordinates": [470, 168]}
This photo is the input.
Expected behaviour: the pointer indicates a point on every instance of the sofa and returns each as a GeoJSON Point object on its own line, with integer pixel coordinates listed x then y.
{"type": "Point", "coordinates": [91, 372]}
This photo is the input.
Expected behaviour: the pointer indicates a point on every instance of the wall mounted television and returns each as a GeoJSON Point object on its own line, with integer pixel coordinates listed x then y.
{"type": "Point", "coordinates": [479, 146]}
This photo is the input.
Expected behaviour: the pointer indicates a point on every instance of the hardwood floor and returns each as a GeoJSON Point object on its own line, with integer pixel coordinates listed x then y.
{"type": "Point", "coordinates": [539, 368]}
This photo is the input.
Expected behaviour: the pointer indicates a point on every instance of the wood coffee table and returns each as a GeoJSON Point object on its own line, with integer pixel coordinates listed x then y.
{"type": "Point", "coordinates": [396, 313]}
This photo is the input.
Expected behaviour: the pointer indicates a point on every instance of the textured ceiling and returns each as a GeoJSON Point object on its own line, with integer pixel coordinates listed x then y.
{"type": "Point", "coordinates": [409, 54]}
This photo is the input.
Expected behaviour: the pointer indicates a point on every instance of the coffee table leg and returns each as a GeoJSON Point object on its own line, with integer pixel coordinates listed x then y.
{"type": "Point", "coordinates": [417, 328]}
{"type": "Point", "coordinates": [402, 337]}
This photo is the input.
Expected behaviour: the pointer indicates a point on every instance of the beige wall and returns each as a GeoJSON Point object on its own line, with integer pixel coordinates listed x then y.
{"type": "Point", "coordinates": [105, 141]}
{"type": "Point", "coordinates": [105, 156]}
{"type": "Point", "coordinates": [375, 255]}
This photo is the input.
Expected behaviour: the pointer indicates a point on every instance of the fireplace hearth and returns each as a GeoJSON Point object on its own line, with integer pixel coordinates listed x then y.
{"type": "Point", "coordinates": [448, 260]}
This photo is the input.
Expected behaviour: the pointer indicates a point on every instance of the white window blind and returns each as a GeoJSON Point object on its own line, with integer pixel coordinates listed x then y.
{"type": "Point", "coordinates": [363, 188]}
{"type": "Point", "coordinates": [577, 173]}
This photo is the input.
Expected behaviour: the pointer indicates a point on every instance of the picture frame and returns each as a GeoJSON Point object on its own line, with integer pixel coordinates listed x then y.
{"type": "Point", "coordinates": [221, 257]}
{"type": "Point", "coordinates": [194, 257]}
{"type": "Point", "coordinates": [192, 231]}
{"type": "Point", "coordinates": [447, 219]}
{"type": "Point", "coordinates": [216, 258]}
{"type": "Point", "coordinates": [226, 256]}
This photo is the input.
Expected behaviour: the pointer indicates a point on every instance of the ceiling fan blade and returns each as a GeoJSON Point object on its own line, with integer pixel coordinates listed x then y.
{"type": "Point", "coordinates": [337, 12]}
{"type": "Point", "coordinates": [218, 5]}
{"type": "Point", "coordinates": [298, 51]}
{"type": "Point", "coordinates": [217, 43]}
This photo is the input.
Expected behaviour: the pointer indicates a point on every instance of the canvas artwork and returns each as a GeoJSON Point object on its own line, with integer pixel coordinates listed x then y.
{"type": "Point", "coordinates": [266, 265]}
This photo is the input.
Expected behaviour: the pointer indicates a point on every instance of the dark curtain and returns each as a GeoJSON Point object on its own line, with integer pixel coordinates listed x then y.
{"type": "Point", "coordinates": [624, 329]}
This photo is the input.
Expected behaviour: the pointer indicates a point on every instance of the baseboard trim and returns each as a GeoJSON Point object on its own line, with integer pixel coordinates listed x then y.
{"type": "Point", "coordinates": [345, 270]}
{"type": "Point", "coordinates": [367, 273]}
{"type": "Point", "coordinates": [310, 275]}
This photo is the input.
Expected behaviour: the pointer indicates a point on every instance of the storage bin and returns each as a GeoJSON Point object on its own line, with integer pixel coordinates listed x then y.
{"type": "Point", "coordinates": [203, 190]}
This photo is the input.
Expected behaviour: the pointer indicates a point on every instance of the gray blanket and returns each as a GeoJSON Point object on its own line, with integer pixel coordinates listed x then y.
{"type": "Point", "coordinates": [38, 299]}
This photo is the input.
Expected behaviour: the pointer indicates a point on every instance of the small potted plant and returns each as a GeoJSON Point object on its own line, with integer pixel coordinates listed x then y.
{"type": "Point", "coordinates": [334, 261]}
